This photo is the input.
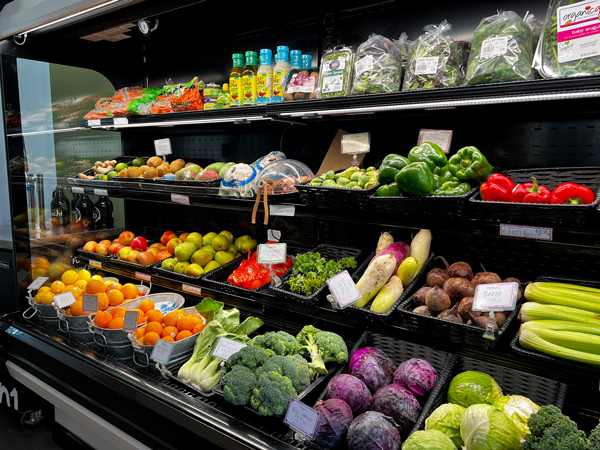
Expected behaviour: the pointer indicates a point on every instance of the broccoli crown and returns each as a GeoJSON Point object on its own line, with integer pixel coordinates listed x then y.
{"type": "Point", "coordinates": [331, 347]}
{"type": "Point", "coordinates": [238, 385]}
{"type": "Point", "coordinates": [594, 439]}
{"type": "Point", "coordinates": [279, 342]}
{"type": "Point", "coordinates": [272, 394]}
{"type": "Point", "coordinates": [303, 378]}
{"type": "Point", "coordinates": [251, 357]}
{"type": "Point", "coordinates": [306, 335]}
{"type": "Point", "coordinates": [284, 366]}
{"type": "Point", "coordinates": [551, 429]}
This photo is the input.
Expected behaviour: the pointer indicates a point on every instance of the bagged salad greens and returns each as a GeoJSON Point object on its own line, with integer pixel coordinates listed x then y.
{"type": "Point", "coordinates": [377, 66]}
{"type": "Point", "coordinates": [434, 61]}
{"type": "Point", "coordinates": [502, 50]}
{"type": "Point", "coordinates": [404, 47]}
{"type": "Point", "coordinates": [336, 72]}
{"type": "Point", "coordinates": [569, 44]}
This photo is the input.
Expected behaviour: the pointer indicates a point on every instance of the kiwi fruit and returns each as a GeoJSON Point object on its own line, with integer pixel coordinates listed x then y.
{"type": "Point", "coordinates": [177, 165]}
{"type": "Point", "coordinates": [123, 173]}
{"type": "Point", "coordinates": [155, 161]}
{"type": "Point", "coordinates": [151, 172]}
{"type": "Point", "coordinates": [134, 172]}
{"type": "Point", "coordinates": [162, 170]}
{"type": "Point", "coordinates": [144, 168]}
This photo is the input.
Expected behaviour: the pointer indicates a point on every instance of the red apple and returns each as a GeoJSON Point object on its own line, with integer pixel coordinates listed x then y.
{"type": "Point", "coordinates": [183, 236]}
{"type": "Point", "coordinates": [153, 250]}
{"type": "Point", "coordinates": [90, 246]}
{"type": "Point", "coordinates": [145, 258]}
{"type": "Point", "coordinates": [132, 256]}
{"type": "Point", "coordinates": [126, 237]}
{"type": "Point", "coordinates": [167, 236]}
{"type": "Point", "coordinates": [139, 243]}
{"type": "Point", "coordinates": [172, 244]}
{"type": "Point", "coordinates": [162, 255]}
{"type": "Point", "coordinates": [102, 249]}
{"type": "Point", "coordinates": [124, 252]}
{"type": "Point", "coordinates": [115, 248]}
{"type": "Point", "coordinates": [116, 241]}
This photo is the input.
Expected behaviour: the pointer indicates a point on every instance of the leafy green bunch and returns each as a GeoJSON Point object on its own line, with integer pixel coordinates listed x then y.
{"type": "Point", "coordinates": [311, 271]}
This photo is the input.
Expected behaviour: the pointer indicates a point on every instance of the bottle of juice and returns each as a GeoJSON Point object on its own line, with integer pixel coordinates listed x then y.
{"type": "Point", "coordinates": [249, 93]}
{"type": "Point", "coordinates": [235, 80]}
{"type": "Point", "coordinates": [224, 97]}
{"type": "Point", "coordinates": [264, 80]}
{"type": "Point", "coordinates": [280, 73]}
{"type": "Point", "coordinates": [295, 59]}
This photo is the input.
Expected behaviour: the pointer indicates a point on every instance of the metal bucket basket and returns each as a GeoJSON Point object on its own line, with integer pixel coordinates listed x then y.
{"type": "Point", "coordinates": [46, 313]}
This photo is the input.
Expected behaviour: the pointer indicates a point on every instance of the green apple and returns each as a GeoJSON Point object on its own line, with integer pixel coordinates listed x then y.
{"type": "Point", "coordinates": [184, 251]}
{"type": "Point", "coordinates": [195, 238]}
{"type": "Point", "coordinates": [225, 168]}
{"type": "Point", "coordinates": [180, 267]}
{"type": "Point", "coordinates": [212, 265]}
{"type": "Point", "coordinates": [168, 264]}
{"type": "Point", "coordinates": [201, 257]}
{"type": "Point", "coordinates": [194, 270]}
{"type": "Point", "coordinates": [216, 166]}
{"type": "Point", "coordinates": [223, 257]}
{"type": "Point", "coordinates": [208, 237]}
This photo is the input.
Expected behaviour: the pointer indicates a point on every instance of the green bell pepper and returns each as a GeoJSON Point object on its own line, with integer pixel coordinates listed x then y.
{"type": "Point", "coordinates": [469, 164]}
{"type": "Point", "coordinates": [389, 190]}
{"type": "Point", "coordinates": [429, 153]}
{"type": "Point", "coordinates": [390, 166]}
{"type": "Point", "coordinates": [453, 188]}
{"type": "Point", "coordinates": [416, 179]}
{"type": "Point", "coordinates": [438, 181]}
{"type": "Point", "coordinates": [445, 173]}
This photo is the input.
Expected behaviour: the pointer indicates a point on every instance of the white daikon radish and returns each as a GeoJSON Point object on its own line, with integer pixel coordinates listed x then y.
{"type": "Point", "coordinates": [388, 295]}
{"type": "Point", "coordinates": [384, 240]}
{"type": "Point", "coordinates": [419, 247]}
{"type": "Point", "coordinates": [375, 277]}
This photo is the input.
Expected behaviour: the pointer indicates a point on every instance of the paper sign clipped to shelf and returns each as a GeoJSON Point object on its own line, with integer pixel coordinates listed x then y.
{"type": "Point", "coordinates": [37, 283]}
{"type": "Point", "coordinates": [94, 123]}
{"type": "Point", "coordinates": [272, 253]}
{"type": "Point", "coordinates": [120, 121]}
{"type": "Point", "coordinates": [496, 297]}
{"type": "Point", "coordinates": [163, 147]}
{"type": "Point", "coordinates": [90, 303]}
{"type": "Point", "coordinates": [282, 210]}
{"type": "Point", "coordinates": [353, 144]}
{"type": "Point", "coordinates": [143, 276]}
{"type": "Point", "coordinates": [224, 348]}
{"type": "Point", "coordinates": [343, 289]}
{"type": "Point", "coordinates": [130, 321]}
{"type": "Point", "coordinates": [180, 198]}
{"type": "Point", "coordinates": [443, 138]}
{"type": "Point", "coordinates": [162, 351]}
{"type": "Point", "coordinates": [64, 300]}
{"type": "Point", "coordinates": [101, 192]}
{"type": "Point", "coordinates": [273, 235]}
{"type": "Point", "coordinates": [301, 418]}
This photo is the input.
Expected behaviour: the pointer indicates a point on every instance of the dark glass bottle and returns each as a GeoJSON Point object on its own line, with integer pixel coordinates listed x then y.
{"type": "Point", "coordinates": [84, 213]}
{"type": "Point", "coordinates": [103, 213]}
{"type": "Point", "coordinates": [60, 210]}
{"type": "Point", "coordinates": [74, 201]}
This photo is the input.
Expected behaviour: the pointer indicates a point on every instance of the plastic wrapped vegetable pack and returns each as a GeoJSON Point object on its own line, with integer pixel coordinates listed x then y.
{"type": "Point", "coordinates": [502, 50]}
{"type": "Point", "coordinates": [434, 61]}
{"type": "Point", "coordinates": [377, 66]}
{"type": "Point", "coordinates": [336, 72]}
{"type": "Point", "coordinates": [564, 46]}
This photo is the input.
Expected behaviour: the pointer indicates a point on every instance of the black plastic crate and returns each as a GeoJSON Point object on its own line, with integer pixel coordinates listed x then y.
{"type": "Point", "coordinates": [335, 197]}
{"type": "Point", "coordinates": [115, 182]}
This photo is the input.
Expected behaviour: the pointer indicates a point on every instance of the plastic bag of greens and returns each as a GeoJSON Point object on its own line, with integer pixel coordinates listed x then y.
{"type": "Point", "coordinates": [502, 50]}
{"type": "Point", "coordinates": [404, 47]}
{"type": "Point", "coordinates": [463, 49]}
{"type": "Point", "coordinates": [377, 67]}
{"type": "Point", "coordinates": [569, 45]}
{"type": "Point", "coordinates": [433, 62]}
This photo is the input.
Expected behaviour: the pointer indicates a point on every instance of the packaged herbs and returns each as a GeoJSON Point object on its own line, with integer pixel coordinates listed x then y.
{"type": "Point", "coordinates": [502, 50]}
{"type": "Point", "coordinates": [377, 68]}
{"type": "Point", "coordinates": [336, 72]}
{"type": "Point", "coordinates": [434, 61]}
{"type": "Point", "coordinates": [569, 45]}
{"type": "Point", "coordinates": [311, 271]}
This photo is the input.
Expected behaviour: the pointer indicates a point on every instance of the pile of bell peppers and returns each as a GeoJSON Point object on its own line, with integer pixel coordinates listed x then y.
{"type": "Point", "coordinates": [428, 171]}
{"type": "Point", "coordinates": [500, 188]}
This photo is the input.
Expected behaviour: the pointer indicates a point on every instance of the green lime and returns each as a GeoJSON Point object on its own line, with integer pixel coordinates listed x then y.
{"type": "Point", "coordinates": [120, 167]}
{"type": "Point", "coordinates": [138, 162]}
{"type": "Point", "coordinates": [110, 175]}
{"type": "Point", "coordinates": [100, 176]}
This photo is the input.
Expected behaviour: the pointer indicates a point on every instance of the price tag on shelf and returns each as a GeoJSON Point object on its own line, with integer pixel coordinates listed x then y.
{"type": "Point", "coordinates": [120, 121]}
{"type": "Point", "coordinates": [100, 192]}
{"type": "Point", "coordinates": [301, 418]}
{"type": "Point", "coordinates": [495, 297]}
{"type": "Point", "coordinates": [64, 300]}
{"type": "Point", "coordinates": [443, 138]}
{"type": "Point", "coordinates": [272, 253]}
{"type": "Point", "coordinates": [94, 123]}
{"type": "Point", "coordinates": [162, 351]}
{"type": "Point", "coordinates": [273, 235]}
{"type": "Point", "coordinates": [343, 289]}
{"type": "Point", "coordinates": [353, 144]}
{"type": "Point", "coordinates": [77, 190]}
{"type": "Point", "coordinates": [523, 231]}
{"type": "Point", "coordinates": [225, 348]}
{"type": "Point", "coordinates": [90, 303]}
{"type": "Point", "coordinates": [163, 147]}
{"type": "Point", "coordinates": [37, 283]}
{"type": "Point", "coordinates": [130, 321]}
{"type": "Point", "coordinates": [180, 198]}
{"type": "Point", "coordinates": [282, 210]}
{"type": "Point", "coordinates": [143, 276]}
{"type": "Point", "coordinates": [95, 264]}
{"type": "Point", "coordinates": [191, 289]}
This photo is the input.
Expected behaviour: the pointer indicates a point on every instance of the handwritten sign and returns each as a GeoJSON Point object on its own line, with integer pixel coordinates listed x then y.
{"type": "Point", "coordinates": [301, 418]}
{"type": "Point", "coordinates": [180, 198]}
{"type": "Point", "coordinates": [163, 147]}
{"type": "Point", "coordinates": [64, 300]}
{"type": "Point", "coordinates": [522, 231]}
{"type": "Point", "coordinates": [496, 297]}
{"type": "Point", "coordinates": [343, 289]}
{"type": "Point", "coordinates": [130, 321]}
{"type": "Point", "coordinates": [272, 253]}
{"type": "Point", "coordinates": [90, 303]}
{"type": "Point", "coordinates": [439, 137]}
{"type": "Point", "coordinates": [37, 283]}
{"type": "Point", "coordinates": [162, 351]}
{"type": "Point", "coordinates": [356, 143]}
{"type": "Point", "coordinates": [225, 348]}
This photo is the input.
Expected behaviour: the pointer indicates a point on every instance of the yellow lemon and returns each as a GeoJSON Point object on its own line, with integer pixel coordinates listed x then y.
{"type": "Point", "coordinates": [84, 275]}
{"type": "Point", "coordinates": [69, 277]}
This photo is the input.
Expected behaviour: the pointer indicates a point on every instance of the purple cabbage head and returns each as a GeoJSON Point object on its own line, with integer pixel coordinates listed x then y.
{"type": "Point", "coordinates": [417, 375]}
{"type": "Point", "coordinates": [351, 390]}
{"type": "Point", "coordinates": [373, 431]}
{"type": "Point", "coordinates": [399, 403]}
{"type": "Point", "coordinates": [373, 367]}
{"type": "Point", "coordinates": [335, 416]}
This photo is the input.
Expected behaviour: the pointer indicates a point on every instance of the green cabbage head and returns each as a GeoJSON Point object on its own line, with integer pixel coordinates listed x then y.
{"type": "Point", "coordinates": [518, 408]}
{"type": "Point", "coordinates": [472, 388]}
{"type": "Point", "coordinates": [485, 427]}
{"type": "Point", "coordinates": [446, 418]}
{"type": "Point", "coordinates": [428, 440]}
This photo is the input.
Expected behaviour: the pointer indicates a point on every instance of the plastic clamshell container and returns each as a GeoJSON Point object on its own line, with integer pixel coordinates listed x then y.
{"type": "Point", "coordinates": [280, 177]}
{"type": "Point", "coordinates": [336, 64]}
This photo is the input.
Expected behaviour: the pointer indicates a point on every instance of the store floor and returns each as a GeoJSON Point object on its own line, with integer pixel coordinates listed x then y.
{"type": "Point", "coordinates": [14, 435]}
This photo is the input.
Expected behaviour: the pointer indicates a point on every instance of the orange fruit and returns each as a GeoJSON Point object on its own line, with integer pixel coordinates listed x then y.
{"type": "Point", "coordinates": [42, 263]}
{"type": "Point", "coordinates": [180, 313]}
{"type": "Point", "coordinates": [154, 315]}
{"type": "Point", "coordinates": [118, 311]}
{"type": "Point", "coordinates": [145, 305]}
{"type": "Point", "coordinates": [116, 323]}
{"type": "Point", "coordinates": [77, 308]}
{"type": "Point", "coordinates": [130, 291]}
{"type": "Point", "coordinates": [196, 319]}
{"type": "Point", "coordinates": [155, 327]}
{"type": "Point", "coordinates": [57, 287]}
{"type": "Point", "coordinates": [102, 319]}
{"type": "Point", "coordinates": [94, 287]}
{"type": "Point", "coordinates": [169, 331]}
{"type": "Point", "coordinates": [171, 319]}
{"type": "Point", "coordinates": [185, 323]}
{"type": "Point", "coordinates": [102, 301]}
{"type": "Point", "coordinates": [198, 328]}
{"type": "Point", "coordinates": [168, 339]}
{"type": "Point", "coordinates": [115, 297]}
{"type": "Point", "coordinates": [69, 277]}
{"type": "Point", "coordinates": [150, 338]}
{"type": "Point", "coordinates": [140, 333]}
{"type": "Point", "coordinates": [111, 285]}
{"type": "Point", "coordinates": [183, 334]}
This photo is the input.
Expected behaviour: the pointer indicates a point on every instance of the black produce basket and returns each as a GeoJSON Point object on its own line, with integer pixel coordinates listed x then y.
{"type": "Point", "coordinates": [567, 364]}
{"type": "Point", "coordinates": [542, 214]}
{"type": "Point", "coordinates": [328, 252]}
{"type": "Point", "coordinates": [114, 183]}
{"type": "Point", "coordinates": [335, 197]}
{"type": "Point", "coordinates": [156, 268]}
{"type": "Point", "coordinates": [399, 351]}
{"type": "Point", "coordinates": [94, 255]}
{"type": "Point", "coordinates": [428, 205]}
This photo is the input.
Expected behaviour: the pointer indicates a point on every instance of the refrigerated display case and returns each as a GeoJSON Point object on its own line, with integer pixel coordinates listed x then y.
{"type": "Point", "coordinates": [51, 81]}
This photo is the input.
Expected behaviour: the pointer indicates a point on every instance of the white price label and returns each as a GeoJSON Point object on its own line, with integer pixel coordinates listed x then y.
{"type": "Point", "coordinates": [101, 192]}
{"type": "Point", "coordinates": [120, 121]}
{"type": "Point", "coordinates": [94, 123]}
{"type": "Point", "coordinates": [353, 144]}
{"type": "Point", "coordinates": [439, 137]}
{"type": "Point", "coordinates": [343, 289]}
{"type": "Point", "coordinates": [272, 253]}
{"type": "Point", "coordinates": [90, 303]}
{"type": "Point", "coordinates": [301, 418]}
{"type": "Point", "coordinates": [130, 321]}
{"type": "Point", "coordinates": [224, 348]}
{"type": "Point", "coordinates": [427, 65]}
{"type": "Point", "coordinates": [191, 289]}
{"type": "Point", "coordinates": [162, 147]}
{"type": "Point", "coordinates": [143, 276]}
{"type": "Point", "coordinates": [96, 264]}
{"type": "Point", "coordinates": [496, 297]}
{"type": "Point", "coordinates": [273, 235]}
{"type": "Point", "coordinates": [162, 351]}
{"type": "Point", "coordinates": [523, 231]}
{"type": "Point", "coordinates": [37, 283]}
{"type": "Point", "coordinates": [282, 210]}
{"type": "Point", "coordinates": [77, 190]}
{"type": "Point", "coordinates": [64, 300]}
{"type": "Point", "coordinates": [180, 198]}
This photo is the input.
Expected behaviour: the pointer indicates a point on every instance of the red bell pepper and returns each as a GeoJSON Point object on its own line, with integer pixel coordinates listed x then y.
{"type": "Point", "coordinates": [530, 193]}
{"type": "Point", "coordinates": [572, 194]}
{"type": "Point", "coordinates": [497, 188]}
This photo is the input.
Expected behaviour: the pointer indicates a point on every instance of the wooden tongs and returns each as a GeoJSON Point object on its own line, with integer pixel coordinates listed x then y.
{"type": "Point", "coordinates": [262, 192]}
